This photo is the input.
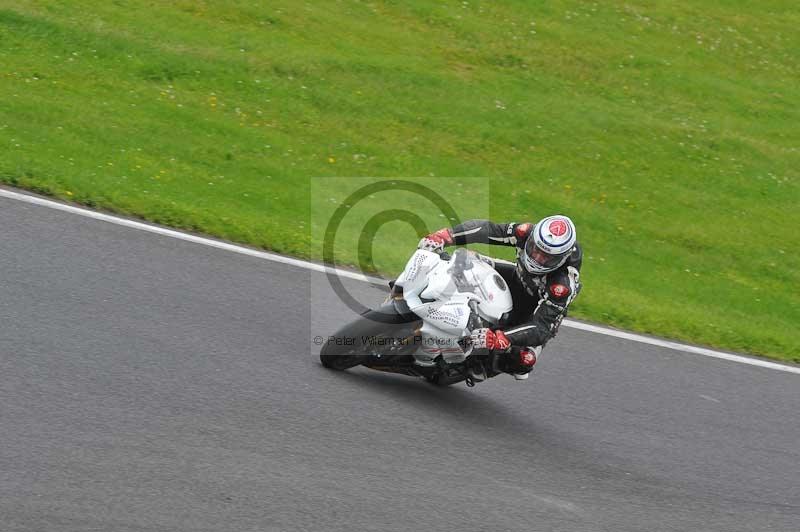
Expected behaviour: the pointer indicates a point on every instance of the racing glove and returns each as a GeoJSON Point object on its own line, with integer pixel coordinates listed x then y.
{"type": "Point", "coordinates": [436, 241]}
{"type": "Point", "coordinates": [489, 339]}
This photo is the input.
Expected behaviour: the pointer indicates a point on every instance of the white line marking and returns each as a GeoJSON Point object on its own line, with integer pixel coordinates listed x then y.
{"type": "Point", "coordinates": [133, 224]}
{"type": "Point", "coordinates": [709, 398]}
{"type": "Point", "coordinates": [680, 347]}
{"type": "Point", "coordinates": [141, 226]}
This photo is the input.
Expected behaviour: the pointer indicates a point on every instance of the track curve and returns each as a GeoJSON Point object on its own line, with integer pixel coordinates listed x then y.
{"type": "Point", "coordinates": [152, 384]}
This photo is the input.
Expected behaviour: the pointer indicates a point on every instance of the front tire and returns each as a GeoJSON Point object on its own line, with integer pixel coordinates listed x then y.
{"type": "Point", "coordinates": [333, 357]}
{"type": "Point", "coordinates": [372, 334]}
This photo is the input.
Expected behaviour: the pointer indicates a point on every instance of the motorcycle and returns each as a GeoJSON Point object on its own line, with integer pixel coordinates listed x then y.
{"type": "Point", "coordinates": [423, 327]}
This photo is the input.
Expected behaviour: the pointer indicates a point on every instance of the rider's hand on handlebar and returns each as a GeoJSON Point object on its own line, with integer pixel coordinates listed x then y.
{"type": "Point", "coordinates": [488, 339]}
{"type": "Point", "coordinates": [436, 241]}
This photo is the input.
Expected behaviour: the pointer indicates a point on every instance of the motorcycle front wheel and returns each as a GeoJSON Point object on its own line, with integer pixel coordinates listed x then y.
{"type": "Point", "coordinates": [374, 335]}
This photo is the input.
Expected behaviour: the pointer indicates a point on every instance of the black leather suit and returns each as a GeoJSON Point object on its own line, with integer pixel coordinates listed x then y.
{"type": "Point", "coordinates": [540, 300]}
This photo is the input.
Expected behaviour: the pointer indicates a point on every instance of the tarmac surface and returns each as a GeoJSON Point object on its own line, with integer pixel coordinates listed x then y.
{"type": "Point", "coordinates": [150, 384]}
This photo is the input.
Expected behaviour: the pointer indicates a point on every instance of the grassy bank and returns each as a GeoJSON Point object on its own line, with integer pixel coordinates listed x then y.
{"type": "Point", "coordinates": [668, 132]}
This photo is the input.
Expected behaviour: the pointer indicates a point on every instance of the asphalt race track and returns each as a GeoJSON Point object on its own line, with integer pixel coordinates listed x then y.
{"type": "Point", "coordinates": [150, 384]}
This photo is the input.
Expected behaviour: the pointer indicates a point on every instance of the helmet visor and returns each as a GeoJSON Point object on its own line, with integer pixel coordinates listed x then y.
{"type": "Point", "coordinates": [538, 259]}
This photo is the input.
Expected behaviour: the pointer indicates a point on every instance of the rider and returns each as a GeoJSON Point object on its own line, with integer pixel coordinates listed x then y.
{"type": "Point", "coordinates": [543, 282]}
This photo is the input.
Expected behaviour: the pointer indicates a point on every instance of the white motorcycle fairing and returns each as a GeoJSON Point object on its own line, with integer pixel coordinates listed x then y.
{"type": "Point", "coordinates": [444, 293]}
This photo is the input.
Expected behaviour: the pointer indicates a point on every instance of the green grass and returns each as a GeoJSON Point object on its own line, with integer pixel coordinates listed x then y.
{"type": "Point", "coordinates": [668, 131]}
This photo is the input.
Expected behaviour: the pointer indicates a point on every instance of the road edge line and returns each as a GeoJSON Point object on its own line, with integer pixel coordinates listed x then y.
{"type": "Point", "coordinates": [274, 257]}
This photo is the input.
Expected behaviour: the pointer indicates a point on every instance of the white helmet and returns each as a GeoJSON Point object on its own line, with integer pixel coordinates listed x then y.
{"type": "Point", "coordinates": [549, 244]}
